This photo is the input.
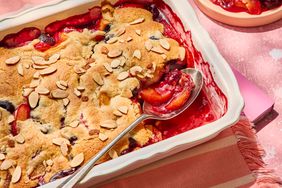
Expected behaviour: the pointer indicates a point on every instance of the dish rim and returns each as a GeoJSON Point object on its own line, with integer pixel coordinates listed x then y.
{"type": "Point", "coordinates": [184, 140]}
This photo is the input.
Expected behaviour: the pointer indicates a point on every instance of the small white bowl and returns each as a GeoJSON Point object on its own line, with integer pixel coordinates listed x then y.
{"type": "Point", "coordinates": [242, 19]}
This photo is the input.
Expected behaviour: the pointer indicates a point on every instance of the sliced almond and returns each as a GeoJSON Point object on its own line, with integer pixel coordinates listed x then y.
{"type": "Point", "coordinates": [138, 32]}
{"type": "Point", "coordinates": [128, 39]}
{"type": "Point", "coordinates": [74, 124]}
{"type": "Point", "coordinates": [123, 109]}
{"type": "Point", "coordinates": [76, 92]}
{"type": "Point", "coordinates": [80, 88]}
{"type": "Point", "coordinates": [103, 137]}
{"type": "Point", "coordinates": [54, 58]}
{"type": "Point", "coordinates": [63, 83]}
{"type": "Point", "coordinates": [64, 149]}
{"type": "Point", "coordinates": [98, 33]}
{"type": "Point", "coordinates": [157, 49]}
{"type": "Point", "coordinates": [60, 86]}
{"type": "Point", "coordinates": [20, 69]}
{"type": "Point", "coordinates": [114, 53]}
{"type": "Point", "coordinates": [113, 154]}
{"type": "Point", "coordinates": [120, 31]}
{"type": "Point", "coordinates": [36, 75]}
{"type": "Point", "coordinates": [108, 67]}
{"type": "Point", "coordinates": [112, 40]}
{"type": "Point", "coordinates": [19, 139]}
{"type": "Point", "coordinates": [137, 21]}
{"type": "Point", "coordinates": [165, 44]}
{"type": "Point", "coordinates": [27, 91]}
{"type": "Point", "coordinates": [79, 70]}
{"type": "Point", "coordinates": [11, 119]}
{"type": "Point", "coordinates": [115, 63]}
{"type": "Point", "coordinates": [137, 54]}
{"type": "Point", "coordinates": [148, 45]}
{"type": "Point", "coordinates": [16, 175]}
{"type": "Point", "coordinates": [48, 71]}
{"type": "Point", "coordinates": [6, 164]}
{"type": "Point", "coordinates": [98, 78]}
{"type": "Point", "coordinates": [135, 70]}
{"type": "Point", "coordinates": [33, 99]}
{"type": "Point", "coordinates": [49, 162]}
{"type": "Point", "coordinates": [38, 60]}
{"type": "Point", "coordinates": [77, 160]}
{"type": "Point", "coordinates": [39, 67]}
{"type": "Point", "coordinates": [34, 83]}
{"type": "Point", "coordinates": [42, 90]}
{"type": "Point", "coordinates": [59, 94]}
{"type": "Point", "coordinates": [182, 53]}
{"type": "Point", "coordinates": [117, 113]}
{"type": "Point", "coordinates": [109, 124]}
{"type": "Point", "coordinates": [123, 76]}
{"type": "Point", "coordinates": [60, 141]}
{"type": "Point", "coordinates": [66, 101]}
{"type": "Point", "coordinates": [13, 60]}
{"type": "Point", "coordinates": [2, 156]}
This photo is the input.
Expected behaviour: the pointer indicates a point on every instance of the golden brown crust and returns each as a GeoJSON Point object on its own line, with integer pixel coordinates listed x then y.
{"type": "Point", "coordinates": [96, 88]}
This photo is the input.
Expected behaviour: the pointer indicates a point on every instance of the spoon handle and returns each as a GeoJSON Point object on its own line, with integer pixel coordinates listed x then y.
{"type": "Point", "coordinates": [83, 171]}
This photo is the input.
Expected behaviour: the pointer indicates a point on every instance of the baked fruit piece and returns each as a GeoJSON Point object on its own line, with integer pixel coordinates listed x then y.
{"type": "Point", "coordinates": [60, 106]}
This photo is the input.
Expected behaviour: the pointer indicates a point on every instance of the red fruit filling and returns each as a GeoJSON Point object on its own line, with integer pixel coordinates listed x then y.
{"type": "Point", "coordinates": [22, 113]}
{"type": "Point", "coordinates": [171, 93]}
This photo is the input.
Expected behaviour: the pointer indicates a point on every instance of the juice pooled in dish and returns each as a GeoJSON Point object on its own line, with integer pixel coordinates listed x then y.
{"type": "Point", "coordinates": [70, 88]}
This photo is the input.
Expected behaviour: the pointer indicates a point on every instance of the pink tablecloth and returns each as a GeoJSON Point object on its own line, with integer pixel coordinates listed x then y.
{"type": "Point", "coordinates": [255, 52]}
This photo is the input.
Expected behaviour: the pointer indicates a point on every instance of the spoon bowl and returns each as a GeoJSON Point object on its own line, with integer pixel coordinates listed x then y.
{"type": "Point", "coordinates": [148, 114]}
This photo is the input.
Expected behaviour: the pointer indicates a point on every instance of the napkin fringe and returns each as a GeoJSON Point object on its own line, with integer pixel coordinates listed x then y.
{"type": "Point", "coordinates": [253, 154]}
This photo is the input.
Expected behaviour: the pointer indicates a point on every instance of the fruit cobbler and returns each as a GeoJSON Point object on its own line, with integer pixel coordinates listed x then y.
{"type": "Point", "coordinates": [69, 88]}
{"type": "Point", "coordinates": [250, 6]}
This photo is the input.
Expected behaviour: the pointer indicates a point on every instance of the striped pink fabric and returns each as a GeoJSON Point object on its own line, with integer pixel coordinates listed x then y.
{"type": "Point", "coordinates": [232, 159]}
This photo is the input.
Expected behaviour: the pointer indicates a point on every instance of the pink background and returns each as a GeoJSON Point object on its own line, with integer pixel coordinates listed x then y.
{"type": "Point", "coordinates": [255, 52]}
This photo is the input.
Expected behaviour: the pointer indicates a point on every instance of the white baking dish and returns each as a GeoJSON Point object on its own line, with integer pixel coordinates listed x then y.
{"type": "Point", "coordinates": [222, 74]}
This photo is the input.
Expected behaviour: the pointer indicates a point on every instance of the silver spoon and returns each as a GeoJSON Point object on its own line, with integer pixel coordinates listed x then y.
{"type": "Point", "coordinates": [148, 114]}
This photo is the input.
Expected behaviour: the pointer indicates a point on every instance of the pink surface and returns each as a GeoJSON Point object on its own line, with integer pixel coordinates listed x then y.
{"type": "Point", "coordinates": [255, 52]}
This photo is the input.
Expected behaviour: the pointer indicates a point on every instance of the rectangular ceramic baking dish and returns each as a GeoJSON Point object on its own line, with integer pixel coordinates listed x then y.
{"type": "Point", "coordinates": [223, 76]}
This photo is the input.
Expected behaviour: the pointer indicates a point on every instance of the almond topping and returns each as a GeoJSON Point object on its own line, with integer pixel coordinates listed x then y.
{"type": "Point", "coordinates": [36, 75]}
{"type": "Point", "coordinates": [2, 156]}
{"type": "Point", "coordinates": [115, 63]}
{"type": "Point", "coordinates": [20, 139]}
{"type": "Point", "coordinates": [165, 44]}
{"type": "Point", "coordinates": [60, 86]}
{"type": "Point", "coordinates": [11, 119]}
{"type": "Point", "coordinates": [34, 83]}
{"type": "Point", "coordinates": [48, 70]}
{"type": "Point", "coordinates": [59, 94]}
{"type": "Point", "coordinates": [157, 50]}
{"type": "Point", "coordinates": [74, 124]}
{"type": "Point", "coordinates": [13, 60]}
{"type": "Point", "coordinates": [109, 124]}
{"type": "Point", "coordinates": [104, 50]}
{"type": "Point", "coordinates": [182, 53]}
{"type": "Point", "coordinates": [42, 90]}
{"type": "Point", "coordinates": [63, 83]}
{"type": "Point", "coordinates": [39, 60]}
{"type": "Point", "coordinates": [66, 102]}
{"type": "Point", "coordinates": [129, 39]}
{"type": "Point", "coordinates": [137, 21]}
{"type": "Point", "coordinates": [137, 54]}
{"type": "Point", "coordinates": [64, 149]}
{"type": "Point", "coordinates": [148, 45]}
{"type": "Point", "coordinates": [16, 175]}
{"type": "Point", "coordinates": [113, 154]}
{"type": "Point", "coordinates": [98, 33]}
{"type": "Point", "coordinates": [103, 137]}
{"type": "Point", "coordinates": [60, 141]}
{"type": "Point", "coordinates": [20, 69]}
{"type": "Point", "coordinates": [123, 109]}
{"type": "Point", "coordinates": [138, 32]}
{"type": "Point", "coordinates": [117, 113]}
{"type": "Point", "coordinates": [98, 79]}
{"type": "Point", "coordinates": [77, 160]}
{"type": "Point", "coordinates": [39, 67]}
{"type": "Point", "coordinates": [134, 70]}
{"type": "Point", "coordinates": [108, 67]}
{"type": "Point", "coordinates": [79, 70]}
{"type": "Point", "coordinates": [27, 91]}
{"type": "Point", "coordinates": [33, 99]}
{"type": "Point", "coordinates": [120, 31]}
{"type": "Point", "coordinates": [112, 40]}
{"type": "Point", "coordinates": [114, 53]}
{"type": "Point", "coordinates": [80, 88]}
{"type": "Point", "coordinates": [49, 162]}
{"type": "Point", "coordinates": [6, 164]}
{"type": "Point", "coordinates": [122, 76]}
{"type": "Point", "coordinates": [54, 58]}
{"type": "Point", "coordinates": [76, 92]}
